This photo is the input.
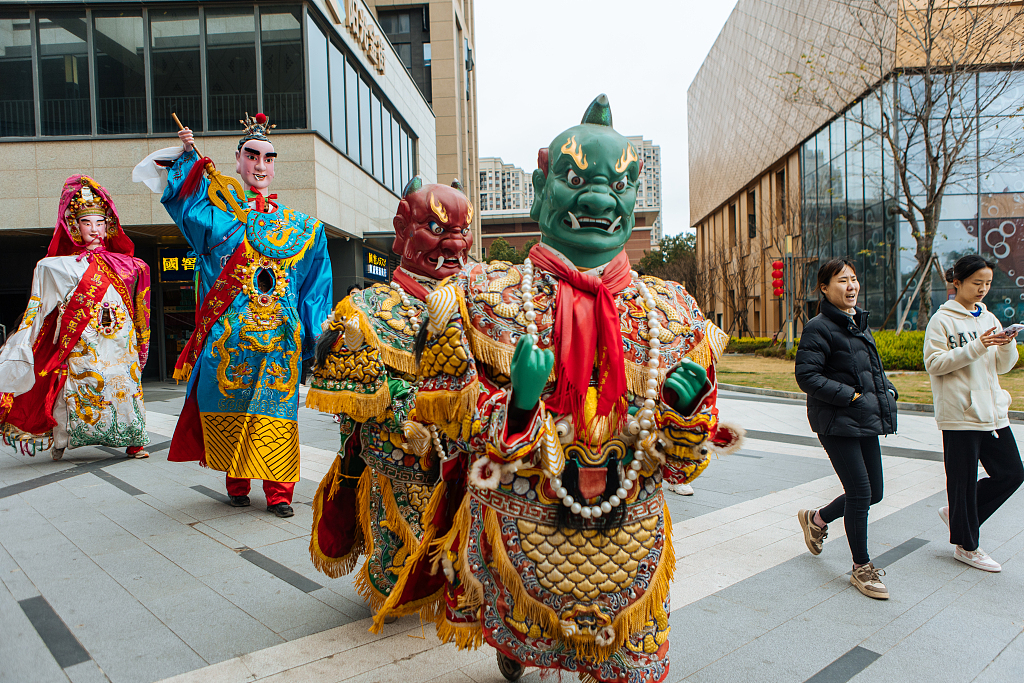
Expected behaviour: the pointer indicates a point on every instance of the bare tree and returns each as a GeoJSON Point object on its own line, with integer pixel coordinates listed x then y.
{"type": "Point", "coordinates": [929, 66]}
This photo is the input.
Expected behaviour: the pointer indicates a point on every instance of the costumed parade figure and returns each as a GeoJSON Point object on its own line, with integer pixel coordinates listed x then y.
{"type": "Point", "coordinates": [373, 499]}
{"type": "Point", "coordinates": [576, 388]}
{"type": "Point", "coordinates": [264, 280]}
{"type": "Point", "coordinates": [71, 373]}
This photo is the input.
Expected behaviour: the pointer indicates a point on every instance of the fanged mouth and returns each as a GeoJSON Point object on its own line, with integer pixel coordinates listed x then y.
{"type": "Point", "coordinates": [459, 262]}
{"type": "Point", "coordinates": [585, 222]}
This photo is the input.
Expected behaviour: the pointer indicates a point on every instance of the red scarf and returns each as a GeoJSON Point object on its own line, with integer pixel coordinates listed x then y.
{"type": "Point", "coordinates": [411, 286]}
{"type": "Point", "coordinates": [586, 323]}
{"type": "Point", "coordinates": [262, 203]}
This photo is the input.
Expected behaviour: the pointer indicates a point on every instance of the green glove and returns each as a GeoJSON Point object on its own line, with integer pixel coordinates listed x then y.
{"type": "Point", "coordinates": [685, 381]}
{"type": "Point", "coordinates": [530, 370]}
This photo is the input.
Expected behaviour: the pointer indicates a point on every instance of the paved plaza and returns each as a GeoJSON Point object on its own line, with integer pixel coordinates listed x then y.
{"type": "Point", "coordinates": [135, 571]}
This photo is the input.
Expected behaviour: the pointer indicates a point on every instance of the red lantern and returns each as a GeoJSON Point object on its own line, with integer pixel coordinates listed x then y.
{"type": "Point", "coordinates": [778, 278]}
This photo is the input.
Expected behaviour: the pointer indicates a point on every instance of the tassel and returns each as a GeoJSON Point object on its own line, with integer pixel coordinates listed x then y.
{"type": "Point", "coordinates": [191, 182]}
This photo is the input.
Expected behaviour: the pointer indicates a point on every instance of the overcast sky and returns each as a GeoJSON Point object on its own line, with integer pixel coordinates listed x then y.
{"type": "Point", "coordinates": [539, 63]}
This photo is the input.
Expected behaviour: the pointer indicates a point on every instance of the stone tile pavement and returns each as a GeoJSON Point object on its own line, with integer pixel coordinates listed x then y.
{"type": "Point", "coordinates": [122, 570]}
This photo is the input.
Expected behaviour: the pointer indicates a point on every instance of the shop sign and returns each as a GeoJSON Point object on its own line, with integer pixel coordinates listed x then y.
{"type": "Point", "coordinates": [362, 28]}
{"type": "Point", "coordinates": [375, 266]}
{"type": "Point", "coordinates": [176, 265]}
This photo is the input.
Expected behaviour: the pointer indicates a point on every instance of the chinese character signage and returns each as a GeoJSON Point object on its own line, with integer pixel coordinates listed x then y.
{"type": "Point", "coordinates": [176, 265]}
{"type": "Point", "coordinates": [375, 266]}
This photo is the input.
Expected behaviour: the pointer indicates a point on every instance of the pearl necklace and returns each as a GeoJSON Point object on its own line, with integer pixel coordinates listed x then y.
{"type": "Point", "coordinates": [639, 425]}
{"type": "Point", "coordinates": [413, 314]}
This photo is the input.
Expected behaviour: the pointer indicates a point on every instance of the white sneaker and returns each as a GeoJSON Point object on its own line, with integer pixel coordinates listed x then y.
{"type": "Point", "coordinates": [681, 489]}
{"type": "Point", "coordinates": [944, 515]}
{"type": "Point", "coordinates": [978, 559]}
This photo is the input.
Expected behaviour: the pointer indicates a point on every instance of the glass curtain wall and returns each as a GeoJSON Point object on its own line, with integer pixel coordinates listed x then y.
{"type": "Point", "coordinates": [849, 190]}
{"type": "Point", "coordinates": [17, 97]}
{"type": "Point", "coordinates": [230, 65]}
{"type": "Point", "coordinates": [176, 72]}
{"type": "Point", "coordinates": [64, 73]}
{"type": "Point", "coordinates": [120, 53]}
{"type": "Point", "coordinates": [284, 98]}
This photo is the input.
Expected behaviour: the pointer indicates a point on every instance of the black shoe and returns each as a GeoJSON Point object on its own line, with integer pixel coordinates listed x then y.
{"type": "Point", "coordinates": [509, 668]}
{"type": "Point", "coordinates": [281, 510]}
{"type": "Point", "coordinates": [238, 501]}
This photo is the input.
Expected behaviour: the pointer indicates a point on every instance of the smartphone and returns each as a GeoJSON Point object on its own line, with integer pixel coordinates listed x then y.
{"type": "Point", "coordinates": [1015, 327]}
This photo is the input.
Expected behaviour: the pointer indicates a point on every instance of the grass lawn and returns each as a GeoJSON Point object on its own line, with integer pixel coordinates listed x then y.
{"type": "Point", "coordinates": [776, 373]}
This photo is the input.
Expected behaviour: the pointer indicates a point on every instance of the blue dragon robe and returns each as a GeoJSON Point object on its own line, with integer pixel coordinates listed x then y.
{"type": "Point", "coordinates": [241, 408]}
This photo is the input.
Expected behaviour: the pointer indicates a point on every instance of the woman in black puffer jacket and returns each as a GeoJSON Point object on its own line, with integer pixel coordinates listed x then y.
{"type": "Point", "coordinates": [850, 402]}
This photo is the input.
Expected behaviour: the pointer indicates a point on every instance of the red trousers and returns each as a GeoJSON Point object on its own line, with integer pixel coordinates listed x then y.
{"type": "Point", "coordinates": [276, 491]}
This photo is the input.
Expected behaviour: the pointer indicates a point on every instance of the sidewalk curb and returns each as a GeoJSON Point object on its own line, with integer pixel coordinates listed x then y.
{"type": "Point", "coordinates": [800, 396]}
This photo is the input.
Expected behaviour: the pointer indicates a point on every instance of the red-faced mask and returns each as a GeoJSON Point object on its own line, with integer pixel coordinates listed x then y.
{"type": "Point", "coordinates": [432, 229]}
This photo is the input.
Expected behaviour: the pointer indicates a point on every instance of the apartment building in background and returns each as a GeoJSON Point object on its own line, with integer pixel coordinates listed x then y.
{"type": "Point", "coordinates": [504, 187]}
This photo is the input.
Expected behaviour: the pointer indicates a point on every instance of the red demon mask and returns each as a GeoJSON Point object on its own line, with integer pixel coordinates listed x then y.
{"type": "Point", "coordinates": [432, 229]}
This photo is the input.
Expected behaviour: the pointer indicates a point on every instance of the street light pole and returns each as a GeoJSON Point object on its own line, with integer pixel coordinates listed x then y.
{"type": "Point", "coordinates": [790, 280]}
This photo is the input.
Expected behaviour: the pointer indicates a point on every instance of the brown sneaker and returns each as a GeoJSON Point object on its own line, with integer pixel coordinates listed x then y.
{"type": "Point", "coordinates": [865, 579]}
{"type": "Point", "coordinates": [814, 535]}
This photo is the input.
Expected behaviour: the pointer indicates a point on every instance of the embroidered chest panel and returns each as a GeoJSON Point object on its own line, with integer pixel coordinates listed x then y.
{"type": "Point", "coordinates": [282, 234]}
{"type": "Point", "coordinates": [382, 308]}
{"type": "Point", "coordinates": [495, 305]}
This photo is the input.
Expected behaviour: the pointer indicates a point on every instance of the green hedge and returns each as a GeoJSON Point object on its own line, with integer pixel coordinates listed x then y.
{"type": "Point", "coordinates": [747, 344]}
{"type": "Point", "coordinates": [900, 352]}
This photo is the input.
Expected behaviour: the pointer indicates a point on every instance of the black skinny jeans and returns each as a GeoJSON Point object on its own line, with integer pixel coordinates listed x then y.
{"type": "Point", "coordinates": [971, 501]}
{"type": "Point", "coordinates": [858, 462]}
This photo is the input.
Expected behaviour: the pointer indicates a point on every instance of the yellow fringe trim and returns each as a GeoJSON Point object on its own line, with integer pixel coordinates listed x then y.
{"type": "Point", "coordinates": [465, 636]}
{"type": "Point", "coordinates": [403, 361]}
{"type": "Point", "coordinates": [448, 409]}
{"type": "Point", "coordinates": [333, 567]}
{"type": "Point", "coordinates": [360, 407]}
{"type": "Point", "coordinates": [183, 373]}
{"type": "Point", "coordinates": [431, 607]}
{"type": "Point", "coordinates": [631, 620]}
{"type": "Point", "coordinates": [473, 597]}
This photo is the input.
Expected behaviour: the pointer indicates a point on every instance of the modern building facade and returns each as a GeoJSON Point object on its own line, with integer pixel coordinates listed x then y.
{"type": "Point", "coordinates": [435, 42]}
{"type": "Point", "coordinates": [648, 191]}
{"type": "Point", "coordinates": [90, 88]}
{"type": "Point", "coordinates": [766, 162]}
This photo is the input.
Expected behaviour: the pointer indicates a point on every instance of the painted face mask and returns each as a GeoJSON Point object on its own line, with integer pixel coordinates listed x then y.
{"type": "Point", "coordinates": [432, 228]}
{"type": "Point", "coordinates": [585, 187]}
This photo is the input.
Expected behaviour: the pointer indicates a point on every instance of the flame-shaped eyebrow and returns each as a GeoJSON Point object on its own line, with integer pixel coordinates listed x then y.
{"type": "Point", "coordinates": [469, 216]}
{"type": "Point", "coordinates": [575, 150]}
{"type": "Point", "coordinates": [628, 156]}
{"type": "Point", "coordinates": [438, 209]}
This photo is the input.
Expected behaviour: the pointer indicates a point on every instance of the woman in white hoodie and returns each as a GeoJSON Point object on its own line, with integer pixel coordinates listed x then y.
{"type": "Point", "coordinates": [965, 351]}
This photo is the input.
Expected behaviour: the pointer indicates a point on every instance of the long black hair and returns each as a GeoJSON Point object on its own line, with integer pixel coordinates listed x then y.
{"type": "Point", "coordinates": [967, 266]}
{"type": "Point", "coordinates": [828, 271]}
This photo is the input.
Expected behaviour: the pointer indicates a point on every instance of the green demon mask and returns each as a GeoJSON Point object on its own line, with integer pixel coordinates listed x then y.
{"type": "Point", "coordinates": [585, 189]}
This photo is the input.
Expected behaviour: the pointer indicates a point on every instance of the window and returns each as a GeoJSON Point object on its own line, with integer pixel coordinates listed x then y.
{"type": "Point", "coordinates": [120, 53]}
{"type": "Point", "coordinates": [732, 225]}
{"type": "Point", "coordinates": [404, 51]}
{"type": "Point", "coordinates": [365, 136]}
{"type": "Point", "coordinates": [284, 97]}
{"type": "Point", "coordinates": [352, 84]}
{"type": "Point", "coordinates": [394, 23]}
{"type": "Point", "coordinates": [319, 83]}
{"type": "Point", "coordinates": [174, 60]}
{"type": "Point", "coordinates": [426, 54]}
{"type": "Point", "coordinates": [385, 138]}
{"type": "Point", "coordinates": [396, 153]}
{"type": "Point", "coordinates": [337, 77]}
{"type": "Point", "coordinates": [230, 66]}
{"type": "Point", "coordinates": [780, 189]}
{"type": "Point", "coordinates": [17, 96]}
{"type": "Point", "coordinates": [375, 125]}
{"type": "Point", "coordinates": [63, 73]}
{"type": "Point", "coordinates": [751, 215]}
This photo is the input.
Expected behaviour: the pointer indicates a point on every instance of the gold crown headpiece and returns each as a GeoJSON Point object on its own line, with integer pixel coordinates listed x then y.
{"type": "Point", "coordinates": [256, 128]}
{"type": "Point", "coordinates": [87, 203]}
